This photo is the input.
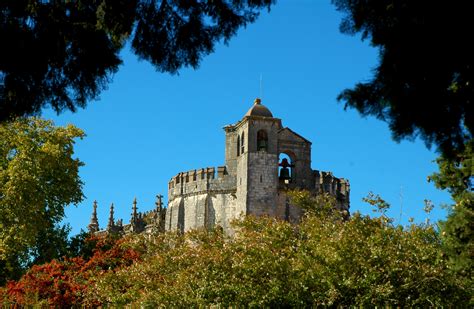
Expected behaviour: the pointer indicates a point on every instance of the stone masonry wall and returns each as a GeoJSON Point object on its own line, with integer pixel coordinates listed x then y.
{"type": "Point", "coordinates": [284, 209]}
{"type": "Point", "coordinates": [203, 210]}
{"type": "Point", "coordinates": [199, 199]}
{"type": "Point", "coordinates": [262, 183]}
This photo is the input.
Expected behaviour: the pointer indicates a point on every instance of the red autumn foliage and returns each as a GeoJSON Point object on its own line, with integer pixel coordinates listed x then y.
{"type": "Point", "coordinates": [55, 282]}
{"type": "Point", "coordinates": [62, 283]}
{"type": "Point", "coordinates": [111, 254]}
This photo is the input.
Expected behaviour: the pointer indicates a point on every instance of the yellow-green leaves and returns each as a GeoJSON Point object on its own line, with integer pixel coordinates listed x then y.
{"type": "Point", "coordinates": [270, 263]}
{"type": "Point", "coordinates": [38, 178]}
{"type": "Point", "coordinates": [320, 205]}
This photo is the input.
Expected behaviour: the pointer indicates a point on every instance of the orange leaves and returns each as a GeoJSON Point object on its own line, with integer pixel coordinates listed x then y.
{"type": "Point", "coordinates": [63, 283]}
{"type": "Point", "coordinates": [55, 283]}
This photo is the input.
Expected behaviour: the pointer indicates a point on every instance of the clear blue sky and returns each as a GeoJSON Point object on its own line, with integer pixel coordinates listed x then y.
{"type": "Point", "coordinates": [148, 126]}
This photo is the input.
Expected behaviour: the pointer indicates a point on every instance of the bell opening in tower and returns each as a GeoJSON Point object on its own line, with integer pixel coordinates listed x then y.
{"type": "Point", "coordinates": [285, 169]}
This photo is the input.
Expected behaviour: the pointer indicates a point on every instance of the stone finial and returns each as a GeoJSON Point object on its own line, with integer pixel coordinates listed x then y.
{"type": "Point", "coordinates": [94, 224]}
{"type": "Point", "coordinates": [136, 221]}
{"type": "Point", "coordinates": [111, 223]}
{"type": "Point", "coordinates": [134, 215]}
{"type": "Point", "coordinates": [257, 101]}
{"type": "Point", "coordinates": [159, 202]}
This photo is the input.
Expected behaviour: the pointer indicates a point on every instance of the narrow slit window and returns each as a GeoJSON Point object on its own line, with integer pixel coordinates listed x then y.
{"type": "Point", "coordinates": [238, 145]}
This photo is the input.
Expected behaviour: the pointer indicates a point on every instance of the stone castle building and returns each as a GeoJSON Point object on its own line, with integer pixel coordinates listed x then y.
{"type": "Point", "coordinates": [254, 180]}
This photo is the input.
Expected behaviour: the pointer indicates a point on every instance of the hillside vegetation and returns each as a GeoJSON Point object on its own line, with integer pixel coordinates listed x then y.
{"type": "Point", "coordinates": [325, 260]}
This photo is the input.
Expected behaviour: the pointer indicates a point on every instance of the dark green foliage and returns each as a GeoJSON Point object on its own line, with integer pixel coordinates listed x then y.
{"type": "Point", "coordinates": [458, 240]}
{"type": "Point", "coordinates": [51, 243]}
{"type": "Point", "coordinates": [456, 175]}
{"type": "Point", "coordinates": [423, 84]}
{"type": "Point", "coordinates": [63, 53]}
{"type": "Point", "coordinates": [81, 245]}
{"type": "Point", "coordinates": [11, 268]}
{"type": "Point", "coordinates": [56, 244]}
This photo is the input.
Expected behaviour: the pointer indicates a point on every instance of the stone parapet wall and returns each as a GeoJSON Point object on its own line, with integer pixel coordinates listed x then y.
{"type": "Point", "coordinates": [201, 181]}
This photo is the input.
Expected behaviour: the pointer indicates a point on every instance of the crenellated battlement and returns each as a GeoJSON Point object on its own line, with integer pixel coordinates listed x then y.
{"type": "Point", "coordinates": [197, 175]}
{"type": "Point", "coordinates": [200, 181]}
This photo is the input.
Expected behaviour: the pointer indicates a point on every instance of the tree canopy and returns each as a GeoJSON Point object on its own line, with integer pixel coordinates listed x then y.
{"type": "Point", "coordinates": [38, 178]}
{"type": "Point", "coordinates": [424, 86]}
{"type": "Point", "coordinates": [323, 261]}
{"type": "Point", "coordinates": [63, 53]}
{"type": "Point", "coordinates": [424, 82]}
{"type": "Point", "coordinates": [456, 176]}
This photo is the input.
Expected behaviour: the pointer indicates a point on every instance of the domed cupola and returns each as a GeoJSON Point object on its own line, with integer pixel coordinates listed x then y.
{"type": "Point", "coordinates": [258, 109]}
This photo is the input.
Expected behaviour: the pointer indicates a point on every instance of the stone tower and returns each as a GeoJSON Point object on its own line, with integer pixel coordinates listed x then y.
{"type": "Point", "coordinates": [256, 160]}
{"type": "Point", "coordinates": [263, 160]}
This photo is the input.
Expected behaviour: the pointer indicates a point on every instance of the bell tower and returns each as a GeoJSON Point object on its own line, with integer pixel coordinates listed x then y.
{"type": "Point", "coordinates": [256, 137]}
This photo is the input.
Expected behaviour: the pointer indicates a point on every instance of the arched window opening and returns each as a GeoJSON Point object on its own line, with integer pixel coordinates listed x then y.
{"type": "Point", "coordinates": [238, 145]}
{"type": "Point", "coordinates": [262, 140]}
{"type": "Point", "coordinates": [242, 143]}
{"type": "Point", "coordinates": [285, 170]}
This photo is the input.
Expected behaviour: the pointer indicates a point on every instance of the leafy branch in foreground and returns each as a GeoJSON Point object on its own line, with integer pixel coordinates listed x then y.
{"type": "Point", "coordinates": [64, 53]}
{"type": "Point", "coordinates": [423, 84]}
